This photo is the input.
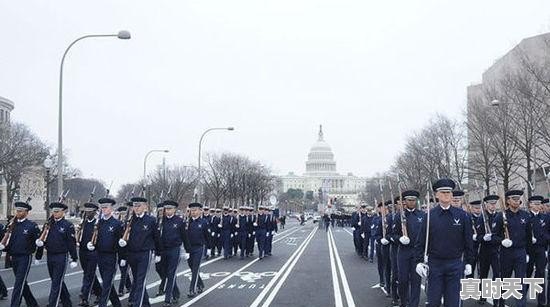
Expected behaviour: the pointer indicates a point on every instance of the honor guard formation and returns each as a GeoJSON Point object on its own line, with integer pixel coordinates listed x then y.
{"type": "Point", "coordinates": [130, 237]}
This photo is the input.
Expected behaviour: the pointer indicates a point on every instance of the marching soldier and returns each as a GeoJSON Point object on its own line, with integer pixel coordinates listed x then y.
{"type": "Point", "coordinates": [142, 238]}
{"type": "Point", "coordinates": [369, 240]}
{"type": "Point", "coordinates": [88, 259]}
{"type": "Point", "coordinates": [196, 235]}
{"type": "Point", "coordinates": [513, 230]}
{"type": "Point", "coordinates": [261, 229]}
{"type": "Point", "coordinates": [541, 236]}
{"type": "Point", "coordinates": [242, 231]}
{"type": "Point", "coordinates": [488, 250]}
{"type": "Point", "coordinates": [394, 243]}
{"type": "Point", "coordinates": [383, 248]}
{"type": "Point", "coordinates": [3, 289]}
{"type": "Point", "coordinates": [474, 214]}
{"type": "Point", "coordinates": [125, 284]}
{"type": "Point", "coordinates": [251, 219]}
{"type": "Point", "coordinates": [21, 246]}
{"type": "Point", "coordinates": [458, 197]}
{"type": "Point", "coordinates": [271, 229]}
{"type": "Point", "coordinates": [58, 238]}
{"type": "Point", "coordinates": [448, 240]}
{"type": "Point", "coordinates": [226, 227]}
{"type": "Point", "coordinates": [356, 224]}
{"type": "Point", "coordinates": [172, 235]}
{"type": "Point", "coordinates": [235, 240]}
{"type": "Point", "coordinates": [107, 233]}
{"type": "Point", "coordinates": [208, 219]}
{"type": "Point", "coordinates": [159, 266]}
{"type": "Point", "coordinates": [409, 281]}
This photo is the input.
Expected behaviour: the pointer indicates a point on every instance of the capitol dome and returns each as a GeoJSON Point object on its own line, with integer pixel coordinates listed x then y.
{"type": "Point", "coordinates": [320, 159]}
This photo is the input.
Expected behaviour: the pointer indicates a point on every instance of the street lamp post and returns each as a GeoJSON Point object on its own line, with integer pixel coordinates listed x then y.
{"type": "Point", "coordinates": [48, 163]}
{"type": "Point", "coordinates": [120, 35]}
{"type": "Point", "coordinates": [145, 162]}
{"type": "Point", "coordinates": [199, 184]}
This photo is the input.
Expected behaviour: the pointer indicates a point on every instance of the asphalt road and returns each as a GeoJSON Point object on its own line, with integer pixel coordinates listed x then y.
{"type": "Point", "coordinates": [309, 267]}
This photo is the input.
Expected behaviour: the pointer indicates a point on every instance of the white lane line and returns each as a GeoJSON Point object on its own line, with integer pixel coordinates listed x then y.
{"type": "Point", "coordinates": [214, 287]}
{"type": "Point", "coordinates": [335, 284]}
{"type": "Point", "coordinates": [47, 279]}
{"type": "Point", "coordinates": [264, 292]}
{"type": "Point", "coordinates": [351, 234]}
{"type": "Point", "coordinates": [284, 277]}
{"type": "Point", "coordinates": [343, 278]}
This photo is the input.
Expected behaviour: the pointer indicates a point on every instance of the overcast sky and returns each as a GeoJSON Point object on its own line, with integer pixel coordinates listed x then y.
{"type": "Point", "coordinates": [370, 71]}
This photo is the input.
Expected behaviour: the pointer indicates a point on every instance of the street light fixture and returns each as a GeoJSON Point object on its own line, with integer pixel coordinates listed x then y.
{"type": "Point", "coordinates": [145, 161]}
{"type": "Point", "coordinates": [48, 164]}
{"type": "Point", "coordinates": [199, 185]}
{"type": "Point", "coordinates": [120, 35]}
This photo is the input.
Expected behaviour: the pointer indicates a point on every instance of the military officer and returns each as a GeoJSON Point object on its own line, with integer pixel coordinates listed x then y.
{"type": "Point", "coordinates": [271, 230]}
{"type": "Point", "coordinates": [59, 242]}
{"type": "Point", "coordinates": [242, 230]}
{"type": "Point", "coordinates": [450, 240]}
{"type": "Point", "coordinates": [208, 219]}
{"type": "Point", "coordinates": [143, 239]}
{"type": "Point", "coordinates": [108, 232]}
{"type": "Point", "coordinates": [88, 259]}
{"type": "Point", "coordinates": [409, 281]}
{"type": "Point", "coordinates": [356, 224]}
{"type": "Point", "coordinates": [195, 240]}
{"type": "Point", "coordinates": [540, 237]}
{"type": "Point", "coordinates": [250, 220]}
{"type": "Point", "coordinates": [393, 237]}
{"type": "Point", "coordinates": [227, 226]}
{"type": "Point", "coordinates": [474, 214]}
{"type": "Point", "coordinates": [458, 197]}
{"type": "Point", "coordinates": [21, 246]}
{"type": "Point", "coordinates": [125, 284]}
{"type": "Point", "coordinates": [261, 229]}
{"type": "Point", "coordinates": [172, 236]}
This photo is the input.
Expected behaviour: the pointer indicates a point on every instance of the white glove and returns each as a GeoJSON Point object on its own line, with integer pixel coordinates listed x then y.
{"type": "Point", "coordinates": [506, 243]}
{"type": "Point", "coordinates": [157, 259]}
{"type": "Point", "coordinates": [2, 247]}
{"type": "Point", "coordinates": [474, 237]}
{"type": "Point", "coordinates": [487, 237]}
{"type": "Point", "coordinates": [422, 270]}
{"type": "Point", "coordinates": [467, 269]}
{"type": "Point", "coordinates": [249, 235]}
{"type": "Point", "coordinates": [359, 224]}
{"type": "Point", "coordinates": [363, 235]}
{"type": "Point", "coordinates": [73, 264]}
{"type": "Point", "coordinates": [122, 263]}
{"type": "Point", "coordinates": [253, 233]}
{"type": "Point", "coordinates": [36, 262]}
{"type": "Point", "coordinates": [526, 258]}
{"type": "Point", "coordinates": [122, 242]}
{"type": "Point", "coordinates": [236, 233]}
{"type": "Point", "coordinates": [208, 251]}
{"type": "Point", "coordinates": [384, 241]}
{"type": "Point", "coordinates": [237, 226]}
{"type": "Point", "coordinates": [255, 224]}
{"type": "Point", "coordinates": [90, 246]}
{"type": "Point", "coordinates": [213, 233]}
{"type": "Point", "coordinates": [220, 225]}
{"type": "Point", "coordinates": [39, 243]}
{"type": "Point", "coordinates": [185, 256]}
{"type": "Point", "coordinates": [267, 234]}
{"type": "Point", "coordinates": [231, 235]}
{"type": "Point", "coordinates": [534, 240]}
{"type": "Point", "coordinates": [405, 240]}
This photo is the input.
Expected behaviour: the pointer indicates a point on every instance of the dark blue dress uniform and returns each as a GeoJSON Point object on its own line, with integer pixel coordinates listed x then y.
{"type": "Point", "coordinates": [488, 256]}
{"type": "Point", "coordinates": [171, 239]}
{"type": "Point", "coordinates": [376, 234]}
{"type": "Point", "coordinates": [59, 243]}
{"type": "Point", "coordinates": [262, 221]}
{"type": "Point", "coordinates": [125, 282]}
{"type": "Point", "coordinates": [357, 241]}
{"type": "Point", "coordinates": [216, 220]}
{"type": "Point", "coordinates": [235, 238]}
{"type": "Point", "coordinates": [21, 246]}
{"type": "Point", "coordinates": [513, 258]}
{"type": "Point", "coordinates": [227, 229]}
{"type": "Point", "coordinates": [88, 258]}
{"type": "Point", "coordinates": [3, 289]}
{"type": "Point", "coordinates": [195, 239]}
{"type": "Point", "coordinates": [109, 232]}
{"type": "Point", "coordinates": [271, 230]}
{"type": "Point", "coordinates": [393, 237]}
{"type": "Point", "coordinates": [143, 240]}
{"type": "Point", "coordinates": [476, 229]}
{"type": "Point", "coordinates": [210, 242]}
{"type": "Point", "coordinates": [450, 240]}
{"type": "Point", "coordinates": [537, 253]}
{"type": "Point", "coordinates": [409, 281]}
{"type": "Point", "coordinates": [250, 220]}
{"type": "Point", "coordinates": [242, 232]}
{"type": "Point", "coordinates": [366, 223]}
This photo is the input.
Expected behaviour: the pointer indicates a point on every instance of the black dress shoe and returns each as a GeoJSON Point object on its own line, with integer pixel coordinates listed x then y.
{"type": "Point", "coordinates": [160, 292]}
{"type": "Point", "coordinates": [191, 294]}
{"type": "Point", "coordinates": [200, 289]}
{"type": "Point", "coordinates": [3, 297]}
{"type": "Point", "coordinates": [166, 305]}
{"type": "Point", "coordinates": [83, 303]}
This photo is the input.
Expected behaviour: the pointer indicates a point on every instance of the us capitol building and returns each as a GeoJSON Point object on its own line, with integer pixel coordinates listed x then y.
{"type": "Point", "coordinates": [321, 174]}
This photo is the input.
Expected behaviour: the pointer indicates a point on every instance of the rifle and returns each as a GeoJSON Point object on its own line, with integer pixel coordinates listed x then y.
{"type": "Point", "coordinates": [503, 207]}
{"type": "Point", "coordinates": [78, 234]}
{"type": "Point", "coordinates": [48, 224]}
{"type": "Point", "coordinates": [403, 216]}
{"type": "Point", "coordinates": [9, 228]}
{"type": "Point", "coordinates": [483, 213]}
{"type": "Point", "coordinates": [383, 209]}
{"type": "Point", "coordinates": [96, 225]}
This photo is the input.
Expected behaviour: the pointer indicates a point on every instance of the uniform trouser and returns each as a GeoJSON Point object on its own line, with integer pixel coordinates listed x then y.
{"type": "Point", "coordinates": [194, 263]}
{"type": "Point", "coordinates": [3, 289]}
{"type": "Point", "coordinates": [226, 242]}
{"type": "Point", "coordinates": [88, 262]}
{"type": "Point", "coordinates": [380, 262]}
{"type": "Point", "coordinates": [235, 243]}
{"type": "Point", "coordinates": [209, 244]}
{"type": "Point", "coordinates": [489, 259]}
{"type": "Point", "coordinates": [371, 244]}
{"type": "Point", "coordinates": [57, 265]}
{"type": "Point", "coordinates": [537, 264]}
{"type": "Point", "coordinates": [283, 225]}
{"type": "Point", "coordinates": [476, 255]}
{"type": "Point", "coordinates": [125, 281]}
{"type": "Point", "coordinates": [260, 238]}
{"type": "Point", "coordinates": [160, 269]}
{"type": "Point", "coordinates": [171, 259]}
{"type": "Point", "coordinates": [268, 242]}
{"type": "Point", "coordinates": [327, 224]}
{"type": "Point", "coordinates": [394, 271]}
{"type": "Point", "coordinates": [242, 237]}
{"type": "Point", "coordinates": [250, 243]}
{"type": "Point", "coordinates": [139, 264]}
{"type": "Point", "coordinates": [409, 280]}
{"type": "Point", "coordinates": [387, 267]}
{"type": "Point", "coordinates": [357, 241]}
{"type": "Point", "coordinates": [21, 266]}
{"type": "Point", "coordinates": [444, 281]}
{"type": "Point", "coordinates": [513, 260]}
{"type": "Point", "coordinates": [219, 242]}
{"type": "Point", "coordinates": [366, 242]}
{"type": "Point", "coordinates": [107, 263]}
